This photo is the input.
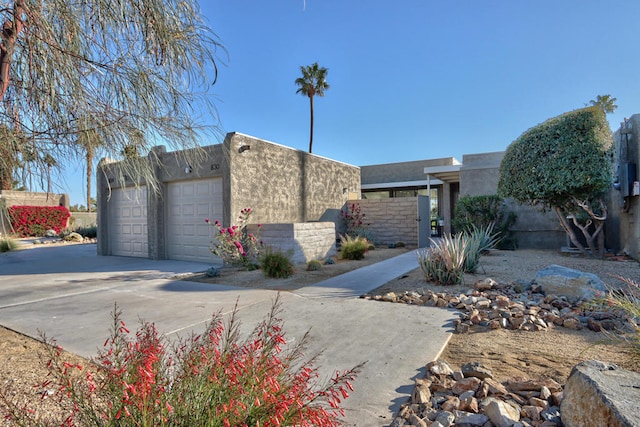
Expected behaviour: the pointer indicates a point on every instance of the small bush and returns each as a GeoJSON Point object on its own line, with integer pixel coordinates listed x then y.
{"type": "Point", "coordinates": [89, 232]}
{"type": "Point", "coordinates": [400, 245]}
{"type": "Point", "coordinates": [329, 261]}
{"type": "Point", "coordinates": [276, 264]}
{"type": "Point", "coordinates": [7, 244]}
{"type": "Point", "coordinates": [314, 265]}
{"type": "Point", "coordinates": [353, 248]}
{"type": "Point", "coordinates": [482, 211]}
{"type": "Point", "coordinates": [235, 245]}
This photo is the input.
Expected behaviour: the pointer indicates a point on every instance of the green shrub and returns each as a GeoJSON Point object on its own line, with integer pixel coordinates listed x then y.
{"type": "Point", "coordinates": [329, 261]}
{"type": "Point", "coordinates": [7, 244]}
{"type": "Point", "coordinates": [90, 232]}
{"type": "Point", "coordinates": [480, 212]}
{"type": "Point", "coordinates": [314, 265]}
{"type": "Point", "coordinates": [400, 245]}
{"type": "Point", "coordinates": [353, 248]}
{"type": "Point", "coordinates": [276, 264]}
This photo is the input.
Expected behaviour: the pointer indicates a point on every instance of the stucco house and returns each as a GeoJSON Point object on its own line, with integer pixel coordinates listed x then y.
{"type": "Point", "coordinates": [281, 184]}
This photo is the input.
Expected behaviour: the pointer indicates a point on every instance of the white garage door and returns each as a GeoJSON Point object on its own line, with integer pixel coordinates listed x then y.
{"type": "Point", "coordinates": [128, 222]}
{"type": "Point", "coordinates": [189, 204]}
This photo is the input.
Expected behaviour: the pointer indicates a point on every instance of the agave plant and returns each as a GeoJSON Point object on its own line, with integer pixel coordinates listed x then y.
{"type": "Point", "coordinates": [444, 261]}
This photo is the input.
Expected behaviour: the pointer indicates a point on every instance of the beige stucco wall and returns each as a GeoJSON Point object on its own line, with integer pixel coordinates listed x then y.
{"type": "Point", "coordinates": [285, 185]}
{"type": "Point", "coordinates": [402, 171]}
{"type": "Point", "coordinates": [303, 241]}
{"type": "Point", "coordinates": [624, 234]}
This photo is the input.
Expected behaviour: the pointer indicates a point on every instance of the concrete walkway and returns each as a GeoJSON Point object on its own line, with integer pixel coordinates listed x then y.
{"type": "Point", "coordinates": [69, 292]}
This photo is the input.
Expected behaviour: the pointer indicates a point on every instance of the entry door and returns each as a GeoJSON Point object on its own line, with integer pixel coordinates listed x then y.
{"type": "Point", "coordinates": [424, 229]}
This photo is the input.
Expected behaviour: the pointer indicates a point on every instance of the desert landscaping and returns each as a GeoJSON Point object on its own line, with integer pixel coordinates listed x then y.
{"type": "Point", "coordinates": [540, 354]}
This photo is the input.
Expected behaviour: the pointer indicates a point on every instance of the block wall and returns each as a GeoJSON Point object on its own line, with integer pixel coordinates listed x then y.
{"type": "Point", "coordinates": [306, 241]}
{"type": "Point", "coordinates": [391, 220]}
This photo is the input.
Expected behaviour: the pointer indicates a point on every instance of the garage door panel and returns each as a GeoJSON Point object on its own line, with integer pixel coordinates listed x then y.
{"type": "Point", "coordinates": [128, 222]}
{"type": "Point", "coordinates": [189, 204]}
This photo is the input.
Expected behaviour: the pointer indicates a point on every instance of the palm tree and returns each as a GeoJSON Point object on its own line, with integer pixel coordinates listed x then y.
{"type": "Point", "coordinates": [606, 102]}
{"type": "Point", "coordinates": [313, 82]}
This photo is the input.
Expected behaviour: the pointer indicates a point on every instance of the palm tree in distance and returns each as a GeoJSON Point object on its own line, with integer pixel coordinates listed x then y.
{"type": "Point", "coordinates": [606, 102]}
{"type": "Point", "coordinates": [313, 82]}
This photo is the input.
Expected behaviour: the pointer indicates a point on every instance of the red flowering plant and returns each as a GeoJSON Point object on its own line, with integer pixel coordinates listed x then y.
{"type": "Point", "coordinates": [354, 221]}
{"type": "Point", "coordinates": [235, 245]}
{"type": "Point", "coordinates": [214, 379]}
{"type": "Point", "coordinates": [35, 220]}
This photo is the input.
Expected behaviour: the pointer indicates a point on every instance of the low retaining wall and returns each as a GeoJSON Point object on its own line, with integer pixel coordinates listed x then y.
{"type": "Point", "coordinates": [306, 241]}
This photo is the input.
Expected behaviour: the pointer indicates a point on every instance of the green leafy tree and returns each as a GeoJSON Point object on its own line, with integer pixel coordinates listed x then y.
{"type": "Point", "coordinates": [313, 82]}
{"type": "Point", "coordinates": [563, 164]}
{"type": "Point", "coordinates": [606, 102]}
{"type": "Point", "coordinates": [140, 69]}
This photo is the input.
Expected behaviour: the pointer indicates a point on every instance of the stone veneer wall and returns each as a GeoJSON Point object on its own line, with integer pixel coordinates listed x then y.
{"type": "Point", "coordinates": [391, 220]}
{"type": "Point", "coordinates": [306, 241]}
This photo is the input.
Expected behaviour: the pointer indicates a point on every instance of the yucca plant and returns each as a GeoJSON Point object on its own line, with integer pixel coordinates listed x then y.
{"type": "Point", "coordinates": [444, 261]}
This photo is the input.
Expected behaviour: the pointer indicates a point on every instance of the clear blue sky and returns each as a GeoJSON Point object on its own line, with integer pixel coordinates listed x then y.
{"type": "Point", "coordinates": [418, 79]}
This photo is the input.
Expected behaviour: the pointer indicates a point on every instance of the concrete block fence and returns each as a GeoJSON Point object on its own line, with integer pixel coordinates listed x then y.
{"type": "Point", "coordinates": [306, 241]}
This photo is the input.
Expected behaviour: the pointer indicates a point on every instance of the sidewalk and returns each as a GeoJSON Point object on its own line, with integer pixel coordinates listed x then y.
{"type": "Point", "coordinates": [69, 293]}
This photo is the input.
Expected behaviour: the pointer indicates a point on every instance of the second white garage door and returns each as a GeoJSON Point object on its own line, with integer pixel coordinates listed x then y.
{"type": "Point", "coordinates": [189, 204]}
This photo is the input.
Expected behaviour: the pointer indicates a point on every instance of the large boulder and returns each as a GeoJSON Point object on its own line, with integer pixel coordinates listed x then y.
{"type": "Point", "coordinates": [601, 394]}
{"type": "Point", "coordinates": [559, 280]}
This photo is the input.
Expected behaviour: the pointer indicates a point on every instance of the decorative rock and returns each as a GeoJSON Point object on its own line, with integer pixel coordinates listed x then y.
{"type": "Point", "coordinates": [50, 233]}
{"type": "Point", "coordinates": [598, 393]}
{"type": "Point", "coordinates": [494, 387]}
{"type": "Point", "coordinates": [465, 384]}
{"type": "Point", "coordinates": [445, 418]}
{"type": "Point", "coordinates": [417, 421]}
{"type": "Point", "coordinates": [559, 280]}
{"type": "Point", "coordinates": [501, 413]}
{"type": "Point", "coordinates": [439, 367]}
{"type": "Point", "coordinates": [451, 404]}
{"type": "Point", "coordinates": [476, 369]}
{"type": "Point", "coordinates": [572, 323]}
{"type": "Point", "coordinates": [532, 412]}
{"type": "Point", "coordinates": [466, 418]}
{"type": "Point", "coordinates": [421, 392]}
{"type": "Point", "coordinates": [390, 297]}
{"type": "Point", "coordinates": [73, 237]}
{"type": "Point", "coordinates": [485, 284]}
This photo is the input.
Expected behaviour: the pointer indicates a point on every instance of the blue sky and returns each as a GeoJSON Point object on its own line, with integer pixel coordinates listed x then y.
{"type": "Point", "coordinates": [418, 79]}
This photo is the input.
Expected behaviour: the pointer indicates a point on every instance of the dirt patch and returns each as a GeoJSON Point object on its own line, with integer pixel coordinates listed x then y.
{"type": "Point", "coordinates": [549, 354]}
{"type": "Point", "coordinates": [301, 277]}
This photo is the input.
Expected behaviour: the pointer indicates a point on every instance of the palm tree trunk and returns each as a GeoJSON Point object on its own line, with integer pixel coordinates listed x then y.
{"type": "Point", "coordinates": [311, 126]}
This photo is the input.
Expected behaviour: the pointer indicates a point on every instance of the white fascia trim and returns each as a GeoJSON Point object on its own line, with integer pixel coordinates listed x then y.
{"type": "Point", "coordinates": [400, 184]}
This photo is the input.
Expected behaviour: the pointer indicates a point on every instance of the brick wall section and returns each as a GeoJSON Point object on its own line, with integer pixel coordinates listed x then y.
{"type": "Point", "coordinates": [391, 220]}
{"type": "Point", "coordinates": [306, 241]}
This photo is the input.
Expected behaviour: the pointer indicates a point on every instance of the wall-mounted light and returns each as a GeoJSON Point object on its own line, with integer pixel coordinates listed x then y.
{"type": "Point", "coordinates": [188, 169]}
{"type": "Point", "coordinates": [244, 148]}
{"type": "Point", "coordinates": [344, 190]}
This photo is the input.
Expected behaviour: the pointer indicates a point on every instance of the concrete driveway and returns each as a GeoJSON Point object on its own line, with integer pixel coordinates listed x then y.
{"type": "Point", "coordinates": [68, 292]}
